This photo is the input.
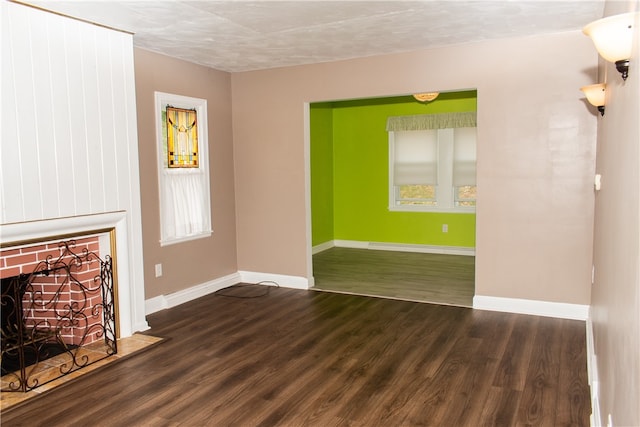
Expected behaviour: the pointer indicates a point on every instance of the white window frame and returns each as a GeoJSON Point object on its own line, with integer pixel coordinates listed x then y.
{"type": "Point", "coordinates": [165, 174]}
{"type": "Point", "coordinates": [445, 191]}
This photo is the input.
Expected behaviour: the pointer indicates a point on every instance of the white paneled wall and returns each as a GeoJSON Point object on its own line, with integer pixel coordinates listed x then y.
{"type": "Point", "coordinates": [68, 108]}
{"type": "Point", "coordinates": [69, 132]}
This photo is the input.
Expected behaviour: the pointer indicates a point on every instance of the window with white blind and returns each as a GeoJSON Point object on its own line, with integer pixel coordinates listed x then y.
{"type": "Point", "coordinates": [432, 167]}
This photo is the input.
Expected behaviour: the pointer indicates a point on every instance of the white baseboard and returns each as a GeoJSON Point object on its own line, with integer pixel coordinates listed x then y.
{"type": "Point", "coordinates": [427, 249]}
{"type": "Point", "coordinates": [397, 247]}
{"type": "Point", "coordinates": [185, 295]}
{"type": "Point", "coordinates": [322, 247]}
{"type": "Point", "coordinates": [282, 280]}
{"type": "Point", "coordinates": [534, 307]}
{"type": "Point", "coordinates": [141, 326]}
{"type": "Point", "coordinates": [592, 375]}
{"type": "Point", "coordinates": [353, 244]}
{"type": "Point", "coordinates": [171, 300]}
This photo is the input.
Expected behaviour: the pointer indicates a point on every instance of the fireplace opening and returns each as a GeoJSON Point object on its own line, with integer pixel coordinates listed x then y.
{"type": "Point", "coordinates": [58, 317]}
{"type": "Point", "coordinates": [14, 327]}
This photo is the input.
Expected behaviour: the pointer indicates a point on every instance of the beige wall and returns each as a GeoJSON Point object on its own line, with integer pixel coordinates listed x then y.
{"type": "Point", "coordinates": [536, 150]}
{"type": "Point", "coordinates": [615, 306]}
{"type": "Point", "coordinates": [196, 262]}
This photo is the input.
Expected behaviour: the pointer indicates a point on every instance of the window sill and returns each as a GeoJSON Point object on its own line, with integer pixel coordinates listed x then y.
{"type": "Point", "coordinates": [175, 240]}
{"type": "Point", "coordinates": [431, 209]}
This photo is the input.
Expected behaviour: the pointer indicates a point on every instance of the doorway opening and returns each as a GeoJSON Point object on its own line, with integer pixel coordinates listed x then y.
{"type": "Point", "coordinates": [361, 241]}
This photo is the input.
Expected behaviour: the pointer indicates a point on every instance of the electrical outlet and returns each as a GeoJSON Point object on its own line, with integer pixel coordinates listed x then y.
{"type": "Point", "coordinates": [445, 228]}
{"type": "Point", "coordinates": [158, 270]}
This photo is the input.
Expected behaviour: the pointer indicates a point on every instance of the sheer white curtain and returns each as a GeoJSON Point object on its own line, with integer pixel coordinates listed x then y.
{"type": "Point", "coordinates": [185, 213]}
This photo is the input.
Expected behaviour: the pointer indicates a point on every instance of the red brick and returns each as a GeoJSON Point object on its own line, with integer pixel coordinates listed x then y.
{"type": "Point", "coordinates": [33, 267]}
{"type": "Point", "coordinates": [44, 280]}
{"type": "Point", "coordinates": [34, 248]}
{"type": "Point", "coordinates": [9, 252]}
{"type": "Point", "coordinates": [9, 272]}
{"type": "Point", "coordinates": [20, 259]}
{"type": "Point", "coordinates": [51, 254]}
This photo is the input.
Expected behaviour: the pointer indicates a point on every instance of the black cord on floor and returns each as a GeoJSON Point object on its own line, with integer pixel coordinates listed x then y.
{"type": "Point", "coordinates": [265, 286]}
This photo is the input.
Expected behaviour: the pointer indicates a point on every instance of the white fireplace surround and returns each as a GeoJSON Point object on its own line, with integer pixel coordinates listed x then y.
{"type": "Point", "coordinates": [72, 170]}
{"type": "Point", "coordinates": [131, 316]}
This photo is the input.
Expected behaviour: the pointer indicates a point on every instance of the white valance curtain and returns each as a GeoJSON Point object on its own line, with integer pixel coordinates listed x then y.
{"type": "Point", "coordinates": [431, 121]}
{"type": "Point", "coordinates": [415, 142]}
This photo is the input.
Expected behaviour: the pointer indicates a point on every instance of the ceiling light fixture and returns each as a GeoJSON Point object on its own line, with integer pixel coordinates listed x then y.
{"type": "Point", "coordinates": [613, 38]}
{"type": "Point", "coordinates": [595, 95]}
{"type": "Point", "coordinates": [426, 96]}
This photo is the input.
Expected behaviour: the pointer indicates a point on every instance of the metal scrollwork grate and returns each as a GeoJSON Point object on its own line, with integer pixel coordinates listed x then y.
{"type": "Point", "coordinates": [57, 319]}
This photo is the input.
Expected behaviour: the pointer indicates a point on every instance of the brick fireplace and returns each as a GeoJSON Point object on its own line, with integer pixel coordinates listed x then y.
{"type": "Point", "coordinates": [35, 260]}
{"type": "Point", "coordinates": [83, 243]}
{"type": "Point", "coordinates": [58, 308]}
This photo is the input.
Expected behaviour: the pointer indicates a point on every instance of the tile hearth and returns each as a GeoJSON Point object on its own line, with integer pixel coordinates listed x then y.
{"type": "Point", "coordinates": [126, 347]}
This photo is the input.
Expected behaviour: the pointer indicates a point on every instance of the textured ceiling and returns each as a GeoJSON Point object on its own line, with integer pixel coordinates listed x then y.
{"type": "Point", "coordinates": [249, 35]}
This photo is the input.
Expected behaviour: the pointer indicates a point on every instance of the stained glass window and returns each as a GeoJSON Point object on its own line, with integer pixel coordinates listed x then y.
{"type": "Point", "coordinates": [182, 138]}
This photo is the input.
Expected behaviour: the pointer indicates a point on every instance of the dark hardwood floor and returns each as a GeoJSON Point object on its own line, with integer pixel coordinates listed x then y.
{"type": "Point", "coordinates": [304, 358]}
{"type": "Point", "coordinates": [437, 278]}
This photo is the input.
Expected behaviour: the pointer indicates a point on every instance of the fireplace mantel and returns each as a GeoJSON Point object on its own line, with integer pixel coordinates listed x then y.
{"type": "Point", "coordinates": [37, 230]}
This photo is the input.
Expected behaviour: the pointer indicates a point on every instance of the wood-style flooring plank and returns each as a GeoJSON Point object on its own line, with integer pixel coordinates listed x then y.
{"type": "Point", "coordinates": [423, 277]}
{"type": "Point", "coordinates": [573, 388]}
{"type": "Point", "coordinates": [305, 358]}
{"type": "Point", "coordinates": [514, 363]}
{"type": "Point", "coordinates": [541, 384]}
{"type": "Point", "coordinates": [500, 408]}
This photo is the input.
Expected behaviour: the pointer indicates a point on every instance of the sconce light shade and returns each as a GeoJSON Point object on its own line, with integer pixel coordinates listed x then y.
{"type": "Point", "coordinates": [595, 95]}
{"type": "Point", "coordinates": [426, 97]}
{"type": "Point", "coordinates": [613, 38]}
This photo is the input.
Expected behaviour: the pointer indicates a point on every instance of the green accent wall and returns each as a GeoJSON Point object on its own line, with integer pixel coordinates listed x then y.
{"type": "Point", "coordinates": [321, 137]}
{"type": "Point", "coordinates": [350, 170]}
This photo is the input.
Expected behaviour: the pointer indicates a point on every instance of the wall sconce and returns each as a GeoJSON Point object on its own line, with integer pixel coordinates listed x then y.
{"type": "Point", "coordinates": [595, 95]}
{"type": "Point", "coordinates": [613, 38]}
{"type": "Point", "coordinates": [426, 97]}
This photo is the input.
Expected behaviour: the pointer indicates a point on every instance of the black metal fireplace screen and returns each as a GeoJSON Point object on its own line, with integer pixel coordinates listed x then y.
{"type": "Point", "coordinates": [57, 319]}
